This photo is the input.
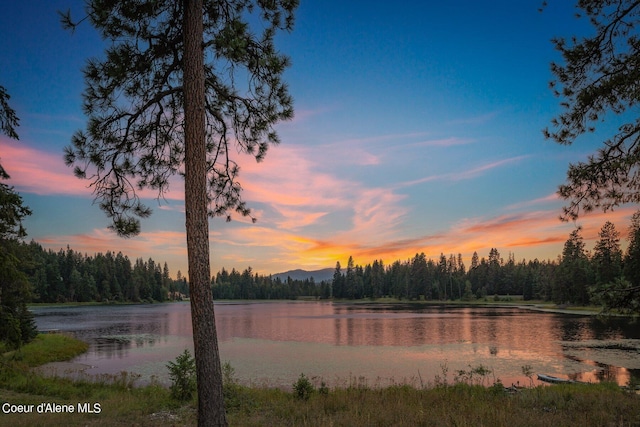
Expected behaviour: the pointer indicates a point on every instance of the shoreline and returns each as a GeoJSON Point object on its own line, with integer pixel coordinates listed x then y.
{"type": "Point", "coordinates": [514, 302]}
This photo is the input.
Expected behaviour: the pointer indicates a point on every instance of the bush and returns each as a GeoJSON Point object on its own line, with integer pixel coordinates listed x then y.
{"type": "Point", "coordinates": [303, 388]}
{"type": "Point", "coordinates": [183, 376]}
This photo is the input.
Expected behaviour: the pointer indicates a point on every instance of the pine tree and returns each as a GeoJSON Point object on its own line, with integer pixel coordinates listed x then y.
{"type": "Point", "coordinates": [607, 256]}
{"type": "Point", "coordinates": [573, 278]}
{"type": "Point", "coordinates": [337, 287]}
{"type": "Point", "coordinates": [598, 76]}
{"type": "Point", "coordinates": [8, 119]}
{"type": "Point", "coordinates": [350, 280]}
{"type": "Point", "coordinates": [623, 293]}
{"type": "Point", "coordinates": [632, 258]}
{"type": "Point", "coordinates": [181, 84]}
{"type": "Point", "coordinates": [16, 321]}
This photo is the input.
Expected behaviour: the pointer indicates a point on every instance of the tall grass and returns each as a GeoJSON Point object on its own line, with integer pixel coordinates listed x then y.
{"type": "Point", "coordinates": [456, 405]}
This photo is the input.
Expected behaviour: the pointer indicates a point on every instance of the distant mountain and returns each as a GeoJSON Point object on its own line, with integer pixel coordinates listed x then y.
{"type": "Point", "coordinates": [298, 274]}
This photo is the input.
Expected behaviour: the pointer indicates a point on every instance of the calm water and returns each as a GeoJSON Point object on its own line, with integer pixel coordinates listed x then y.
{"type": "Point", "coordinates": [274, 342]}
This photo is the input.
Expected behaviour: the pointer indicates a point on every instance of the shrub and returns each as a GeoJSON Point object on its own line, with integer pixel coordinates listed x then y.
{"type": "Point", "coordinates": [303, 388]}
{"type": "Point", "coordinates": [182, 373]}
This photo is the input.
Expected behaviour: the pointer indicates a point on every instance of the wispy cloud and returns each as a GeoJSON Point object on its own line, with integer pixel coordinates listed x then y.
{"type": "Point", "coordinates": [293, 183]}
{"type": "Point", "coordinates": [553, 197]}
{"type": "Point", "coordinates": [464, 174]}
{"type": "Point", "coordinates": [530, 235]}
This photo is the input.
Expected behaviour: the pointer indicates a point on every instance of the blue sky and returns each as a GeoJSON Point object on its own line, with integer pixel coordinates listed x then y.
{"type": "Point", "coordinates": [418, 128]}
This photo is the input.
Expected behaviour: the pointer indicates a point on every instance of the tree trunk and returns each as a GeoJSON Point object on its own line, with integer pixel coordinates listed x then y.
{"type": "Point", "coordinates": [205, 341]}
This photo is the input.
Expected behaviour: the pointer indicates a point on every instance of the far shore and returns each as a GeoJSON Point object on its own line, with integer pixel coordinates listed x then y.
{"type": "Point", "coordinates": [507, 301]}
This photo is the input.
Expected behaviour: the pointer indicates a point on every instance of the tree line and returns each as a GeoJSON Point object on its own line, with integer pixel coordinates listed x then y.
{"type": "Point", "coordinates": [606, 276]}
{"type": "Point", "coordinates": [576, 276]}
{"type": "Point", "coordinates": [250, 285]}
{"type": "Point", "coordinates": [70, 276]}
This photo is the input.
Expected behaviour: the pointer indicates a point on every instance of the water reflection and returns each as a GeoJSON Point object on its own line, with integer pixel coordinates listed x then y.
{"type": "Point", "coordinates": [278, 340]}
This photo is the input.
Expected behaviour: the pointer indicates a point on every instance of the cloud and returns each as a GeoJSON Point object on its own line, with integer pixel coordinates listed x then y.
{"type": "Point", "coordinates": [507, 223]}
{"type": "Point", "coordinates": [553, 197]}
{"type": "Point", "coordinates": [102, 240]}
{"type": "Point", "coordinates": [463, 175]}
{"type": "Point", "coordinates": [38, 172]}
{"type": "Point", "coordinates": [43, 173]}
{"type": "Point", "coordinates": [537, 234]}
{"type": "Point", "coordinates": [300, 192]}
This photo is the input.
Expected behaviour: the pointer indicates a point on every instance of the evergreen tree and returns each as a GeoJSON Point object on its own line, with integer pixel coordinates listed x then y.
{"type": "Point", "coordinates": [16, 321]}
{"type": "Point", "coordinates": [599, 76]}
{"type": "Point", "coordinates": [377, 279]}
{"type": "Point", "coordinates": [632, 257]}
{"type": "Point", "coordinates": [573, 279]}
{"type": "Point", "coordinates": [607, 256]}
{"type": "Point", "coordinates": [493, 272]}
{"type": "Point", "coordinates": [350, 280]}
{"type": "Point", "coordinates": [418, 276]}
{"type": "Point", "coordinates": [9, 121]}
{"type": "Point", "coordinates": [155, 105]}
{"type": "Point", "coordinates": [474, 260]}
{"type": "Point", "coordinates": [623, 293]}
{"type": "Point", "coordinates": [338, 282]}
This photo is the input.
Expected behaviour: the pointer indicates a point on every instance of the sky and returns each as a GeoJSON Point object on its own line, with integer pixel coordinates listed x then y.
{"type": "Point", "coordinates": [417, 128]}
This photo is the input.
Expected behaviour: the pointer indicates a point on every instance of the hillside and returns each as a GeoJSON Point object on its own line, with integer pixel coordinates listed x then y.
{"type": "Point", "coordinates": [299, 274]}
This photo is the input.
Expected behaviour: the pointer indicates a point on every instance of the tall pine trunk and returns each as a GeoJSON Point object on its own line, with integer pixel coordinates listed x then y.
{"type": "Point", "coordinates": [205, 341]}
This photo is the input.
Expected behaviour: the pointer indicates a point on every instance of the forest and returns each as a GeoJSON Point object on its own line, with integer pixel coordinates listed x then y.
{"type": "Point", "coordinates": [69, 276]}
{"type": "Point", "coordinates": [605, 276]}
{"type": "Point", "coordinates": [576, 276]}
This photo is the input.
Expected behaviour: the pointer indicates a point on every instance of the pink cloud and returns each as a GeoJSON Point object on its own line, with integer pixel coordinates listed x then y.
{"type": "Point", "coordinates": [292, 182]}
{"type": "Point", "coordinates": [44, 173]}
{"type": "Point", "coordinates": [39, 172]}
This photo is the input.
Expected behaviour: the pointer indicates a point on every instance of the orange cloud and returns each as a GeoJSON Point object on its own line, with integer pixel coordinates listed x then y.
{"type": "Point", "coordinates": [508, 223]}
{"type": "Point", "coordinates": [533, 235]}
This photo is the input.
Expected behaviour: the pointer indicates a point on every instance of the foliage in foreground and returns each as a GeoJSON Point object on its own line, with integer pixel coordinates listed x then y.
{"type": "Point", "coordinates": [353, 403]}
{"type": "Point", "coordinates": [455, 405]}
{"type": "Point", "coordinates": [182, 373]}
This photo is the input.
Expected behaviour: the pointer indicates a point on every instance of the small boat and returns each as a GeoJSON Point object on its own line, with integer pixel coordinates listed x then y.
{"type": "Point", "coordinates": [554, 380]}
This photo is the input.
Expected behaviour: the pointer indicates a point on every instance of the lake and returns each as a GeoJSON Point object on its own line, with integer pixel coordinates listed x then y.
{"type": "Point", "coordinates": [272, 343]}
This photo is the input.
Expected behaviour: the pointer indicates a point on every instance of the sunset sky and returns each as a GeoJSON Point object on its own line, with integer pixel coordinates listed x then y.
{"type": "Point", "coordinates": [418, 128]}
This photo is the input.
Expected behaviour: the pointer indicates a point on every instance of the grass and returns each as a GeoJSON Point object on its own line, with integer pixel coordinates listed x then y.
{"type": "Point", "coordinates": [48, 348]}
{"type": "Point", "coordinates": [456, 405]}
{"type": "Point", "coordinates": [354, 403]}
